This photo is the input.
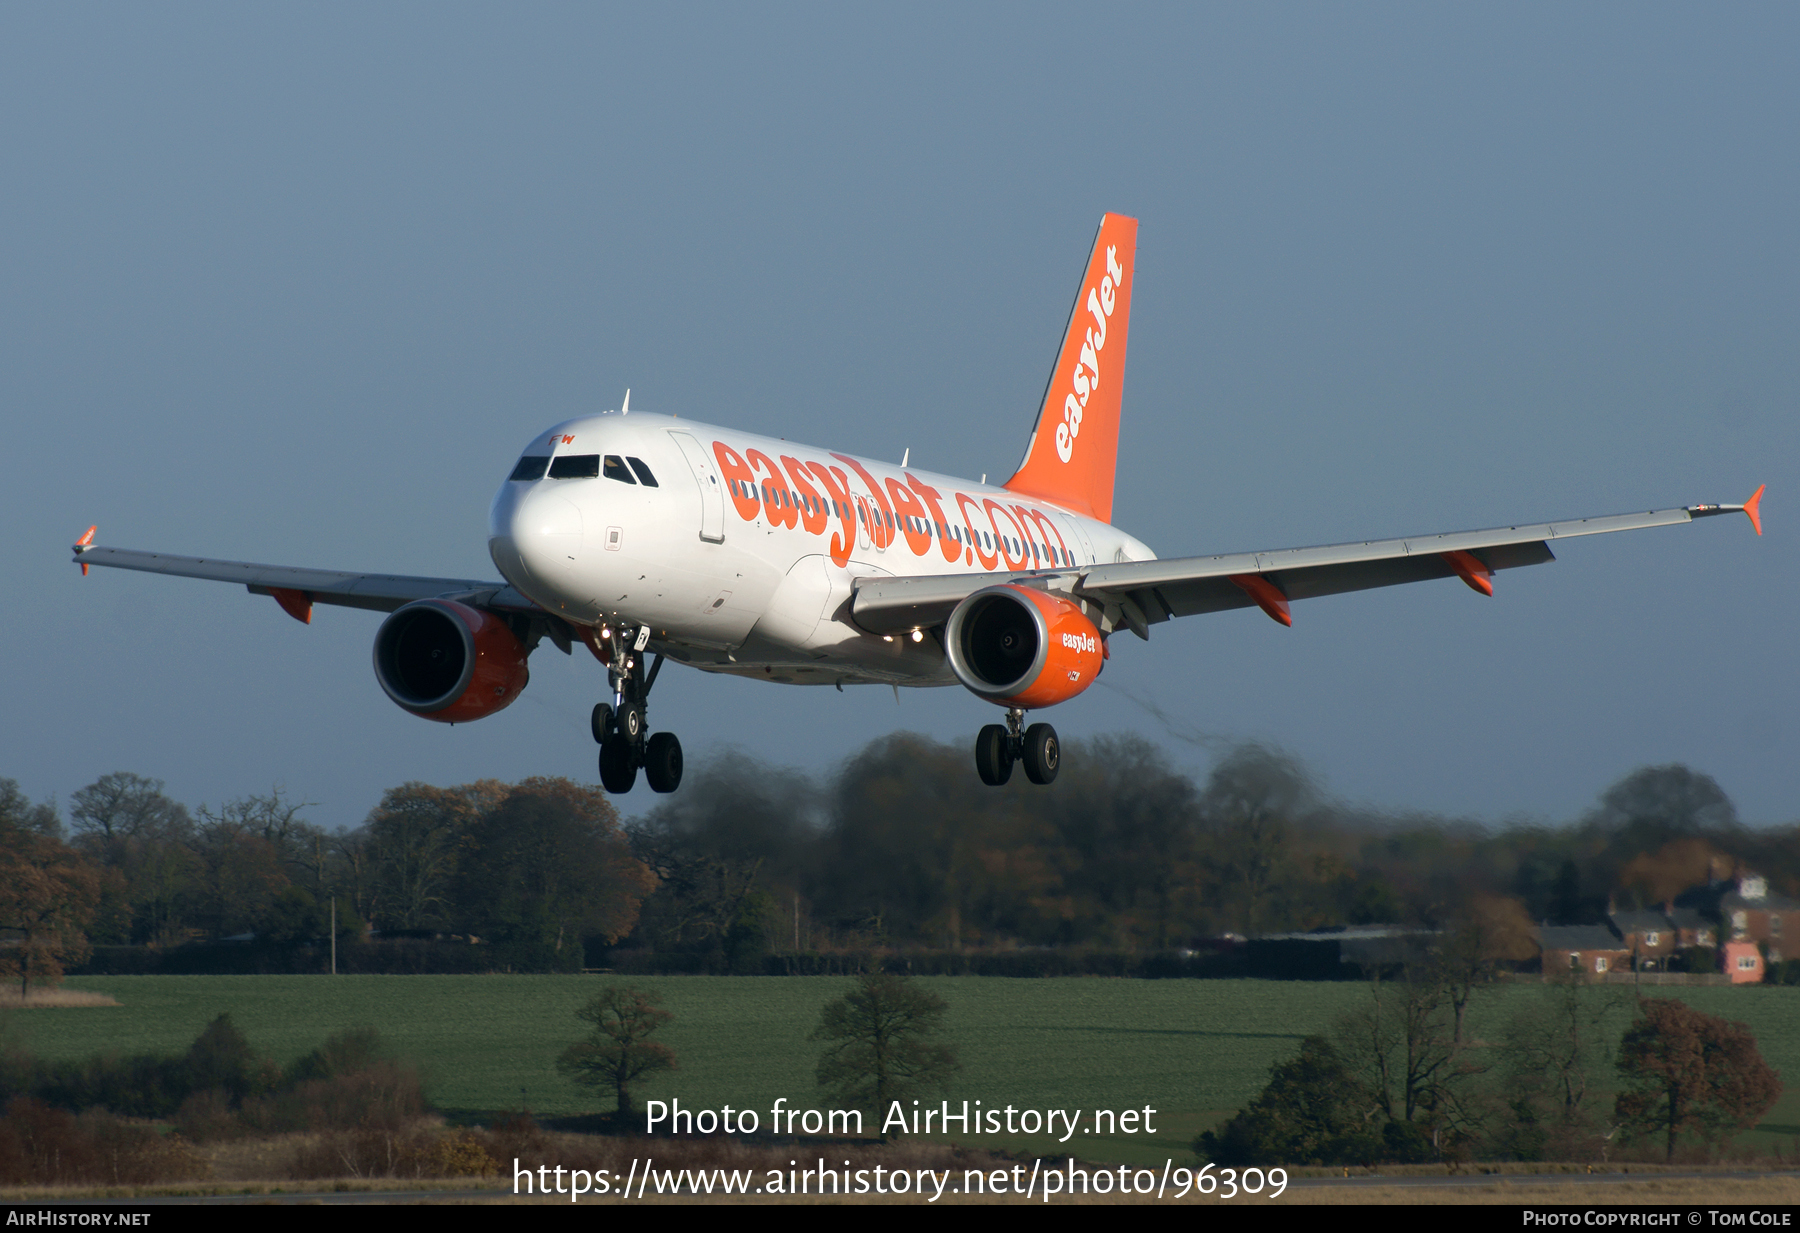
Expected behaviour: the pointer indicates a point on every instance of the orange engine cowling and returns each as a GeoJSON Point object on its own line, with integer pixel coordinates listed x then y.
{"type": "Point", "coordinates": [1017, 646]}
{"type": "Point", "coordinates": [447, 661]}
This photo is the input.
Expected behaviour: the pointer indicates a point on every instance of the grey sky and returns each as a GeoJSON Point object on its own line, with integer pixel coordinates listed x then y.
{"type": "Point", "coordinates": [294, 284]}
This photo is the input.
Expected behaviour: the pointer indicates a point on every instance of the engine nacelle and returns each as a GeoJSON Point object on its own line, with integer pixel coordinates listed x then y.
{"type": "Point", "coordinates": [447, 661]}
{"type": "Point", "coordinates": [1017, 646]}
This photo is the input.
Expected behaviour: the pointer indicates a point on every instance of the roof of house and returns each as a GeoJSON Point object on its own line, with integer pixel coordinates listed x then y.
{"type": "Point", "coordinates": [1346, 933]}
{"type": "Point", "coordinates": [1763, 903]}
{"type": "Point", "coordinates": [1639, 922]}
{"type": "Point", "coordinates": [1578, 937]}
{"type": "Point", "coordinates": [1703, 897]}
{"type": "Point", "coordinates": [1690, 918]}
{"type": "Point", "coordinates": [1747, 890]}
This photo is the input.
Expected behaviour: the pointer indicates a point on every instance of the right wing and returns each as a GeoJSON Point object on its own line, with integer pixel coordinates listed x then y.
{"type": "Point", "coordinates": [1139, 594]}
{"type": "Point", "coordinates": [296, 590]}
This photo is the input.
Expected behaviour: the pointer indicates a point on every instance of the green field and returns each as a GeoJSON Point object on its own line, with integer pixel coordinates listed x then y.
{"type": "Point", "coordinates": [1191, 1049]}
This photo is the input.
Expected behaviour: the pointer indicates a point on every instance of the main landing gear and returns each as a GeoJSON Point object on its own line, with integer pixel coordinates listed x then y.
{"type": "Point", "coordinates": [997, 748]}
{"type": "Point", "coordinates": [622, 731]}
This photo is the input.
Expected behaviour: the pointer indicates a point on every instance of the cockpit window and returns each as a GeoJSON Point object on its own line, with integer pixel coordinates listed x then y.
{"type": "Point", "coordinates": [615, 469]}
{"type": "Point", "coordinates": [575, 466]}
{"type": "Point", "coordinates": [530, 467]}
{"type": "Point", "coordinates": [643, 472]}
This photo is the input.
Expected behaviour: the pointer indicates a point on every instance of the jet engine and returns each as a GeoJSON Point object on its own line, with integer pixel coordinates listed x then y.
{"type": "Point", "coordinates": [1021, 647]}
{"type": "Point", "coordinates": [447, 661]}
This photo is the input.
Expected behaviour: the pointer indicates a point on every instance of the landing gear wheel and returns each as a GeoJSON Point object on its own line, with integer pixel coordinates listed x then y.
{"type": "Point", "coordinates": [1042, 753]}
{"type": "Point", "coordinates": [617, 769]}
{"type": "Point", "coordinates": [993, 755]}
{"type": "Point", "coordinates": [662, 762]}
{"type": "Point", "coordinates": [631, 723]}
{"type": "Point", "coordinates": [603, 722]}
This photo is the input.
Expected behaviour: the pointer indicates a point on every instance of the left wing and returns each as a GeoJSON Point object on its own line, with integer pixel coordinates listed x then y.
{"type": "Point", "coordinates": [1139, 594]}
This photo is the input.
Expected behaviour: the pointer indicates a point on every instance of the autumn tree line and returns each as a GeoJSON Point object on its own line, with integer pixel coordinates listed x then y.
{"type": "Point", "coordinates": [901, 848]}
{"type": "Point", "coordinates": [904, 848]}
{"type": "Point", "coordinates": [535, 870]}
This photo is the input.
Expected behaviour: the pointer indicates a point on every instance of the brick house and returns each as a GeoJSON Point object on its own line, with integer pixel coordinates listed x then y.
{"type": "Point", "coordinates": [1591, 949]}
{"type": "Point", "coordinates": [1691, 928]}
{"type": "Point", "coordinates": [1745, 911]}
{"type": "Point", "coordinates": [1742, 962]}
{"type": "Point", "coordinates": [1750, 913]}
{"type": "Point", "coordinates": [1650, 937]}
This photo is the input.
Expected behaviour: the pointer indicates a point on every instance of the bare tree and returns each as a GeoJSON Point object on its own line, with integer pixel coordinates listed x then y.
{"type": "Point", "coordinates": [1404, 1046]}
{"type": "Point", "coordinates": [128, 823]}
{"type": "Point", "coordinates": [411, 846]}
{"type": "Point", "coordinates": [619, 1051]}
{"type": "Point", "coordinates": [1555, 1050]}
{"type": "Point", "coordinates": [1485, 933]}
{"type": "Point", "coordinates": [881, 1043]}
{"type": "Point", "coordinates": [122, 806]}
{"type": "Point", "coordinates": [1250, 803]}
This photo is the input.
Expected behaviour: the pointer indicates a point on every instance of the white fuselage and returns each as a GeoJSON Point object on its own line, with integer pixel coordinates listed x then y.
{"type": "Point", "coordinates": [741, 556]}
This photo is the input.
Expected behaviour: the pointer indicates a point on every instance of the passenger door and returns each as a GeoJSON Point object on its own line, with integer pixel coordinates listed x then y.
{"type": "Point", "coordinates": [712, 493]}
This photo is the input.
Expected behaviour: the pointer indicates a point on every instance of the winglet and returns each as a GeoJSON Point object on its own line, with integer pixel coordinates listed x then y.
{"type": "Point", "coordinates": [1752, 507]}
{"type": "Point", "coordinates": [82, 544]}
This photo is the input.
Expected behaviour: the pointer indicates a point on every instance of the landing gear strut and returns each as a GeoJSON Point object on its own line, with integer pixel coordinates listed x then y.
{"type": "Point", "coordinates": [997, 748]}
{"type": "Point", "coordinates": [622, 730]}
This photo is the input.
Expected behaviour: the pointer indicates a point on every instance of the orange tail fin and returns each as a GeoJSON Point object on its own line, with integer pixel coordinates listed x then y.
{"type": "Point", "coordinates": [1075, 443]}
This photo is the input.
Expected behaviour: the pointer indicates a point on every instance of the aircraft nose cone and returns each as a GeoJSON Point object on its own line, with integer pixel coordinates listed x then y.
{"type": "Point", "coordinates": [535, 540]}
{"type": "Point", "coordinates": [545, 516]}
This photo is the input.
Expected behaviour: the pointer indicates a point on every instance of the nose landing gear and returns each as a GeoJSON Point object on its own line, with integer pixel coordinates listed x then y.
{"type": "Point", "coordinates": [622, 729]}
{"type": "Point", "coordinates": [997, 748]}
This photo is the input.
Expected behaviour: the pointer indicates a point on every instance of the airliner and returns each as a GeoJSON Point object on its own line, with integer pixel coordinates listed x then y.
{"type": "Point", "coordinates": [646, 538]}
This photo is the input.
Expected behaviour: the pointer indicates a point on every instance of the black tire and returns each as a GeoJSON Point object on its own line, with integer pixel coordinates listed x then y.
{"type": "Point", "coordinates": [1042, 753]}
{"type": "Point", "coordinates": [602, 722]}
{"type": "Point", "coordinates": [631, 724]}
{"type": "Point", "coordinates": [617, 770]}
{"type": "Point", "coordinates": [993, 755]}
{"type": "Point", "coordinates": [662, 762]}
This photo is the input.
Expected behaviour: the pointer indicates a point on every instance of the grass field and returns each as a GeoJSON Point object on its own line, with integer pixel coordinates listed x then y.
{"type": "Point", "coordinates": [1194, 1050]}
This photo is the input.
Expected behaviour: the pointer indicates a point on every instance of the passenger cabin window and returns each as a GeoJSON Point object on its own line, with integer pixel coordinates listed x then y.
{"type": "Point", "coordinates": [643, 472]}
{"type": "Point", "coordinates": [617, 470]}
{"type": "Point", "coordinates": [575, 466]}
{"type": "Point", "coordinates": [531, 467]}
